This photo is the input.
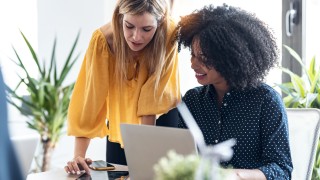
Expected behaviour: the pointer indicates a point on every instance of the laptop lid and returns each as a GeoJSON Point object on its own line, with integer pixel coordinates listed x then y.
{"type": "Point", "coordinates": [144, 146]}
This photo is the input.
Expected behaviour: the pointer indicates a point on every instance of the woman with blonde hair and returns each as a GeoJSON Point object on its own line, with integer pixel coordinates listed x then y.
{"type": "Point", "coordinates": [129, 75]}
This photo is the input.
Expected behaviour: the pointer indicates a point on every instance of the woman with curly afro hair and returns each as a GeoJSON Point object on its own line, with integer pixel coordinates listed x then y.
{"type": "Point", "coordinates": [232, 52]}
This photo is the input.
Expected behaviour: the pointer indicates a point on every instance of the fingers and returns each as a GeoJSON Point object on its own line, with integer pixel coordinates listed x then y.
{"type": "Point", "coordinates": [73, 167]}
{"type": "Point", "coordinates": [69, 168]}
{"type": "Point", "coordinates": [66, 168]}
{"type": "Point", "coordinates": [88, 161]}
{"type": "Point", "coordinates": [84, 164]}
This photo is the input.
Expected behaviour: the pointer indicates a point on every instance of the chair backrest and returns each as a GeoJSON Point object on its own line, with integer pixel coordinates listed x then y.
{"type": "Point", "coordinates": [304, 129]}
{"type": "Point", "coordinates": [9, 166]}
{"type": "Point", "coordinates": [25, 147]}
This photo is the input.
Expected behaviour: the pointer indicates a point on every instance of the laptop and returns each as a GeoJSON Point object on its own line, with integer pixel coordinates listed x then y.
{"type": "Point", "coordinates": [145, 145]}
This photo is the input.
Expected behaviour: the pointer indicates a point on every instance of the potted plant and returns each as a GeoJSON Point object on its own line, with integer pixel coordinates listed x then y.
{"type": "Point", "coordinates": [47, 100]}
{"type": "Point", "coordinates": [176, 166]}
{"type": "Point", "coordinates": [303, 92]}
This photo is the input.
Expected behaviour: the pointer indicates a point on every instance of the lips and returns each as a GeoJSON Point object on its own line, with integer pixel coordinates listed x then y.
{"type": "Point", "coordinates": [136, 43]}
{"type": "Point", "coordinates": [200, 76]}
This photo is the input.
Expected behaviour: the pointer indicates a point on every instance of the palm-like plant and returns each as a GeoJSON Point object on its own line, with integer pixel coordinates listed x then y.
{"type": "Point", "coordinates": [303, 92]}
{"type": "Point", "coordinates": [48, 99]}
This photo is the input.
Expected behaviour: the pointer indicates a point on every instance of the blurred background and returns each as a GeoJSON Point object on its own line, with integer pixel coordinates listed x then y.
{"type": "Point", "coordinates": [42, 21]}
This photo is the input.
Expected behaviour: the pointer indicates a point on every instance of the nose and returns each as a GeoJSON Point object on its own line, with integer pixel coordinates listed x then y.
{"type": "Point", "coordinates": [136, 35]}
{"type": "Point", "coordinates": [194, 63]}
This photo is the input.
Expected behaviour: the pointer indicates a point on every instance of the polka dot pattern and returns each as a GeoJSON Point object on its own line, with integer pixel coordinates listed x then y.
{"type": "Point", "coordinates": [256, 118]}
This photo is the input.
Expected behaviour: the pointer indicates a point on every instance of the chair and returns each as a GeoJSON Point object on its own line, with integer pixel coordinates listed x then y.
{"type": "Point", "coordinates": [304, 129]}
{"type": "Point", "coordinates": [9, 166]}
{"type": "Point", "coordinates": [25, 147]}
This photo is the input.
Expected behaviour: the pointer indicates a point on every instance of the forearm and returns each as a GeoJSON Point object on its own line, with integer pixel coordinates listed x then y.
{"type": "Point", "coordinates": [249, 174]}
{"type": "Point", "coordinates": [81, 146]}
{"type": "Point", "coordinates": [148, 120]}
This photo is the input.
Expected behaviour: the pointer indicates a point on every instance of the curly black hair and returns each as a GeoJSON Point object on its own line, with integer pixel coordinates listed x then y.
{"type": "Point", "coordinates": [234, 42]}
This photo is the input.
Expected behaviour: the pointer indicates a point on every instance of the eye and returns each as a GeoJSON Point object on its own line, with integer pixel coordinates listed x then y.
{"type": "Point", "coordinates": [147, 29]}
{"type": "Point", "coordinates": [129, 26]}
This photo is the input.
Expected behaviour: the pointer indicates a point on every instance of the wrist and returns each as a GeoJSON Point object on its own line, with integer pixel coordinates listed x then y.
{"type": "Point", "coordinates": [148, 120]}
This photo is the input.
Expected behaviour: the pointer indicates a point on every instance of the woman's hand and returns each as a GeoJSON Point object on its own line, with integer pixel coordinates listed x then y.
{"type": "Point", "coordinates": [77, 164]}
{"type": "Point", "coordinates": [249, 174]}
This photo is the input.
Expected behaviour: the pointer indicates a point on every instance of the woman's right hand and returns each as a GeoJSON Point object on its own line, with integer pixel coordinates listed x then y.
{"type": "Point", "coordinates": [77, 164]}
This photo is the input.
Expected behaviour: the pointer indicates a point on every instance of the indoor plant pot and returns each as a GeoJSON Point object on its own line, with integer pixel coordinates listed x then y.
{"type": "Point", "coordinates": [47, 101]}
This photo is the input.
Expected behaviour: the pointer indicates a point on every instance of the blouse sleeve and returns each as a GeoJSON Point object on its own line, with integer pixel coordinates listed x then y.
{"type": "Point", "coordinates": [167, 95]}
{"type": "Point", "coordinates": [274, 133]}
{"type": "Point", "coordinates": [87, 108]}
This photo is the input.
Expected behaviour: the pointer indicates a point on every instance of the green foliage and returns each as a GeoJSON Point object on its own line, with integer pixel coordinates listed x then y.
{"type": "Point", "coordinates": [48, 99]}
{"type": "Point", "coordinates": [303, 92]}
{"type": "Point", "coordinates": [176, 166]}
{"type": "Point", "coordinates": [316, 166]}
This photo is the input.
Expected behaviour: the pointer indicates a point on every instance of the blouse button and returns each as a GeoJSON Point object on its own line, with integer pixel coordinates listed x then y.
{"type": "Point", "coordinates": [225, 104]}
{"type": "Point", "coordinates": [216, 141]}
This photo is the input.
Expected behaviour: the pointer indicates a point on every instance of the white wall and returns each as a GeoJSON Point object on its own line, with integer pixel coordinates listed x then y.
{"type": "Point", "coordinates": [312, 29]}
{"type": "Point", "coordinates": [16, 15]}
{"type": "Point", "coordinates": [64, 19]}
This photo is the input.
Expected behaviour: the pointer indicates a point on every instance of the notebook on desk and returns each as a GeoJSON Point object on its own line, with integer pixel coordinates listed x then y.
{"type": "Point", "coordinates": [144, 146]}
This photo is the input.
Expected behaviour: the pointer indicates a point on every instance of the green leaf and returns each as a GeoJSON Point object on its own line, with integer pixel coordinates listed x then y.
{"type": "Point", "coordinates": [312, 70]}
{"type": "Point", "coordinates": [286, 88]}
{"type": "Point", "coordinates": [310, 98]}
{"type": "Point", "coordinates": [315, 82]}
{"type": "Point", "coordinates": [53, 58]}
{"type": "Point", "coordinates": [66, 68]}
{"type": "Point", "coordinates": [32, 53]}
{"type": "Point", "coordinates": [297, 82]}
{"type": "Point", "coordinates": [296, 56]}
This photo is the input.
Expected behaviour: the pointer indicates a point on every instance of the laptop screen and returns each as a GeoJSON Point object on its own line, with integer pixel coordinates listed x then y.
{"type": "Point", "coordinates": [145, 145]}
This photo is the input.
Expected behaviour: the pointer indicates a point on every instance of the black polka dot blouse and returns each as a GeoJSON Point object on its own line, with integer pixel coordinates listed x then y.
{"type": "Point", "coordinates": [256, 118]}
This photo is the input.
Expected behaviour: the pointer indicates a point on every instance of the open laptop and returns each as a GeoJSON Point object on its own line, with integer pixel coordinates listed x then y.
{"type": "Point", "coordinates": [145, 145]}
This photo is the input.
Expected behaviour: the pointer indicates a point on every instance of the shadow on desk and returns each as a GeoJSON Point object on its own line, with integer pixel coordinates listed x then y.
{"type": "Point", "coordinates": [62, 175]}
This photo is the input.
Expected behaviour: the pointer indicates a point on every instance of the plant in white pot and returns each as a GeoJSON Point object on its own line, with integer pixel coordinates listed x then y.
{"type": "Point", "coordinates": [47, 100]}
{"type": "Point", "coordinates": [303, 92]}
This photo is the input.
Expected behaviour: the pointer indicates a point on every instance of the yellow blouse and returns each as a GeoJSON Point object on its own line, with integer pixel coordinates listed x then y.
{"type": "Point", "coordinates": [95, 98]}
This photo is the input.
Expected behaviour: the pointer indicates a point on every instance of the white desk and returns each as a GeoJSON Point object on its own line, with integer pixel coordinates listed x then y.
{"type": "Point", "coordinates": [60, 174]}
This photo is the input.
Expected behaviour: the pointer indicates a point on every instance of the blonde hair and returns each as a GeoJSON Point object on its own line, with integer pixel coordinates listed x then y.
{"type": "Point", "coordinates": [155, 51]}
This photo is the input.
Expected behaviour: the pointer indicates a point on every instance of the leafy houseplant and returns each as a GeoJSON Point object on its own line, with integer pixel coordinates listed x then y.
{"type": "Point", "coordinates": [175, 166]}
{"type": "Point", "coordinates": [303, 92]}
{"type": "Point", "coordinates": [48, 99]}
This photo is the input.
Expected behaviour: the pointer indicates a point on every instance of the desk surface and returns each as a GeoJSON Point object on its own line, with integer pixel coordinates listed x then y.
{"type": "Point", "coordinates": [62, 175]}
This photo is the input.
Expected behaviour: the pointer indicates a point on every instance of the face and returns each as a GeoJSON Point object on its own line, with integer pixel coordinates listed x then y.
{"type": "Point", "coordinates": [139, 30]}
{"type": "Point", "coordinates": [204, 74]}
